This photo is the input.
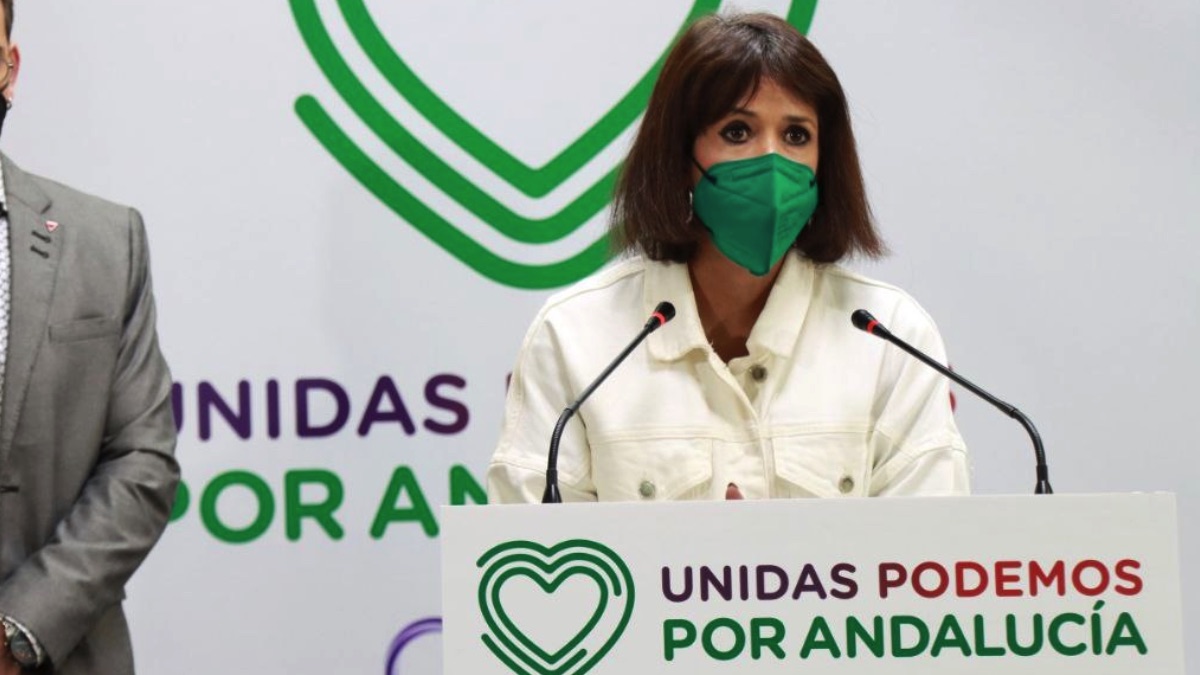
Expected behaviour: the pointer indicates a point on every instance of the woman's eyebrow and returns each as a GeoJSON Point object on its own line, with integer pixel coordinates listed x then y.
{"type": "Point", "coordinates": [789, 118]}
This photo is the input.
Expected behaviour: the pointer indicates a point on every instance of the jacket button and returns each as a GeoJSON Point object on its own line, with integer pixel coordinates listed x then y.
{"type": "Point", "coordinates": [758, 373]}
{"type": "Point", "coordinates": [646, 489]}
{"type": "Point", "coordinates": [846, 485]}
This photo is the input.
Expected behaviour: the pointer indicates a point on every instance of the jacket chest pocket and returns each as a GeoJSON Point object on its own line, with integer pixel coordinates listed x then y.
{"type": "Point", "coordinates": [83, 351]}
{"type": "Point", "coordinates": [82, 330]}
{"type": "Point", "coordinates": [652, 470]}
{"type": "Point", "coordinates": [822, 464]}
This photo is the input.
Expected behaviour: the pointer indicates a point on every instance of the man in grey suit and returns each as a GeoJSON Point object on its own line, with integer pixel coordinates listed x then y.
{"type": "Point", "coordinates": [87, 439]}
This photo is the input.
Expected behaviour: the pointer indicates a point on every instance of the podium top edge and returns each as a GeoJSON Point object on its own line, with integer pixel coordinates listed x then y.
{"type": "Point", "coordinates": [1158, 496]}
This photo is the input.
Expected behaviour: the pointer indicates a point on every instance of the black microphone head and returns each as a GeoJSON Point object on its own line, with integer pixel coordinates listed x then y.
{"type": "Point", "coordinates": [664, 312]}
{"type": "Point", "coordinates": [861, 319]}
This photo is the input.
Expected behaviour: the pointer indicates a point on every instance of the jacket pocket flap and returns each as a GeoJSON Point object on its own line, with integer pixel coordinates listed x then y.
{"type": "Point", "coordinates": [652, 469]}
{"type": "Point", "coordinates": [823, 464]}
{"type": "Point", "coordinates": [84, 329]}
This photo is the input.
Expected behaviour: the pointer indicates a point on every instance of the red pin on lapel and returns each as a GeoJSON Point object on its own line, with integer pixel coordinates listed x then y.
{"type": "Point", "coordinates": [51, 225]}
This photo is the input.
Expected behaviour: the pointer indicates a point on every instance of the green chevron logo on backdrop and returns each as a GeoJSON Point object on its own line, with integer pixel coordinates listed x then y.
{"type": "Point", "coordinates": [549, 568]}
{"type": "Point", "coordinates": [533, 181]}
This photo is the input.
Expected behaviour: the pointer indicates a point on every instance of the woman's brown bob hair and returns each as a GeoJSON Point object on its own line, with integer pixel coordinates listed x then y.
{"type": "Point", "coordinates": [716, 65]}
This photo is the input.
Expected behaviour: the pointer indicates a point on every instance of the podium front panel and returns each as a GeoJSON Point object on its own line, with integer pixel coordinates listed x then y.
{"type": "Point", "coordinates": [1061, 584]}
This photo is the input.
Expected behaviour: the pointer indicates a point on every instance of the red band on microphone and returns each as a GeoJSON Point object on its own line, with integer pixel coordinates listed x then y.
{"type": "Point", "coordinates": [661, 319]}
{"type": "Point", "coordinates": [871, 326]}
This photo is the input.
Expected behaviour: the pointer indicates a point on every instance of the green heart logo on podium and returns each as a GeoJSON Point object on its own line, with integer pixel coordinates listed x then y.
{"type": "Point", "coordinates": [530, 180]}
{"type": "Point", "coordinates": [549, 569]}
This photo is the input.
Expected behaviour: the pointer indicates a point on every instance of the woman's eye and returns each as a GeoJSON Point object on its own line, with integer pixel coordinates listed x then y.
{"type": "Point", "coordinates": [797, 135]}
{"type": "Point", "coordinates": [736, 132]}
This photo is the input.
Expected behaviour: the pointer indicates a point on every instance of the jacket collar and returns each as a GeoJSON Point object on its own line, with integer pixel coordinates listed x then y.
{"type": "Point", "coordinates": [777, 328]}
{"type": "Point", "coordinates": [35, 253]}
{"type": "Point", "coordinates": [16, 185]}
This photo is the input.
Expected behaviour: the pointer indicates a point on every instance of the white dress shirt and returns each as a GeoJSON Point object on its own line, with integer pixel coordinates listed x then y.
{"type": "Point", "coordinates": [816, 409]}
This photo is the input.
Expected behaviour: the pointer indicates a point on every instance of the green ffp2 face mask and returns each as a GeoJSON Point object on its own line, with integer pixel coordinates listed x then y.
{"type": "Point", "coordinates": [754, 208]}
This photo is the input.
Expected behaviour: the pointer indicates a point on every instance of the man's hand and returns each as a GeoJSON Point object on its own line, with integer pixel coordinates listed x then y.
{"type": "Point", "coordinates": [7, 665]}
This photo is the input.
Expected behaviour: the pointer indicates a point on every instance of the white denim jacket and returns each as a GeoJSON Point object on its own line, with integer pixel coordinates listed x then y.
{"type": "Point", "coordinates": [817, 408]}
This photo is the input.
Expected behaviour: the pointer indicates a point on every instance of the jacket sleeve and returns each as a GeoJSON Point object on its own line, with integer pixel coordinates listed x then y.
{"type": "Point", "coordinates": [537, 394]}
{"type": "Point", "coordinates": [916, 447]}
{"type": "Point", "coordinates": [60, 591]}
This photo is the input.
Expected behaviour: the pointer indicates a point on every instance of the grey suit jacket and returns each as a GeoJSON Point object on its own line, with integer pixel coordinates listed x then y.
{"type": "Point", "coordinates": [87, 438]}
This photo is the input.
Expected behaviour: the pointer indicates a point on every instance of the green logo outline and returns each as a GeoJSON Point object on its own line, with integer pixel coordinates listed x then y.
{"type": "Point", "coordinates": [549, 570]}
{"type": "Point", "coordinates": [532, 181]}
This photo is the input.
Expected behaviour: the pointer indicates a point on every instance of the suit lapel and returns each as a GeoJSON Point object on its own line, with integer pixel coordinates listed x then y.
{"type": "Point", "coordinates": [34, 252]}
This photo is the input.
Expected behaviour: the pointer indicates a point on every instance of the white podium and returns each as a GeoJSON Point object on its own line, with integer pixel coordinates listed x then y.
{"type": "Point", "coordinates": [1050, 584]}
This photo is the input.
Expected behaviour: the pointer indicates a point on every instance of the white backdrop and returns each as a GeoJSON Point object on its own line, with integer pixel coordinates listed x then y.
{"type": "Point", "coordinates": [1033, 165]}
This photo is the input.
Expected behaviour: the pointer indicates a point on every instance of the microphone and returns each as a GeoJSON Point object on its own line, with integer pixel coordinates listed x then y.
{"type": "Point", "coordinates": [863, 320]}
{"type": "Point", "coordinates": [663, 313]}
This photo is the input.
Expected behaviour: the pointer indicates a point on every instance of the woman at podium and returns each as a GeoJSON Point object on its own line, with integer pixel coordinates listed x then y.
{"type": "Point", "coordinates": [739, 197]}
